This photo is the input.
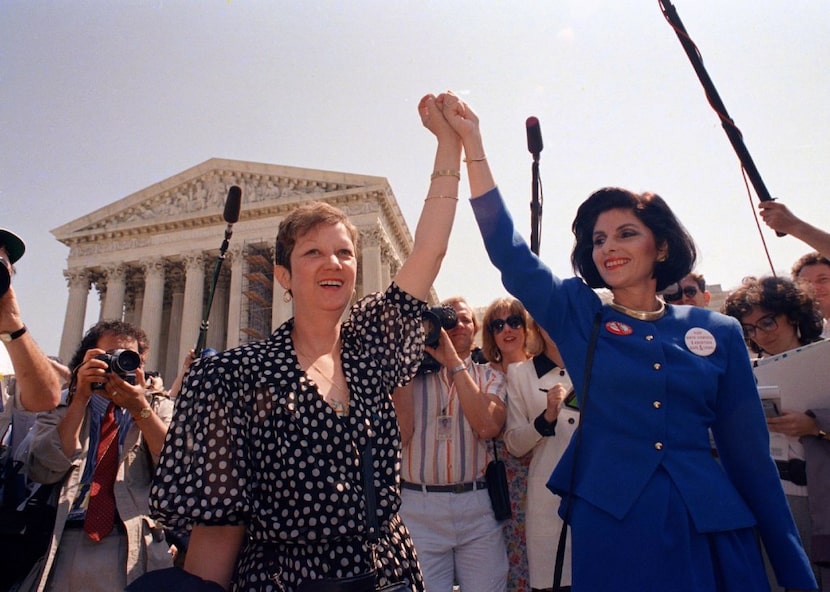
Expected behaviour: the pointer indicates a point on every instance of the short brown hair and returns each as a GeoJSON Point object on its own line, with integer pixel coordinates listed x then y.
{"type": "Point", "coordinates": [309, 215]}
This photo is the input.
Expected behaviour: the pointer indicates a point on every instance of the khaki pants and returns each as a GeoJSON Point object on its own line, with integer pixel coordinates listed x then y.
{"type": "Point", "coordinates": [82, 565]}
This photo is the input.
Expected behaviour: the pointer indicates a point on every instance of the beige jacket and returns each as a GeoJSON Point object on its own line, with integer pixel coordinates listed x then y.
{"type": "Point", "coordinates": [147, 549]}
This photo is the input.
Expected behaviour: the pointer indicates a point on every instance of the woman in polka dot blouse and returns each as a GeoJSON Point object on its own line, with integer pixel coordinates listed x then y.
{"type": "Point", "coordinates": [264, 456]}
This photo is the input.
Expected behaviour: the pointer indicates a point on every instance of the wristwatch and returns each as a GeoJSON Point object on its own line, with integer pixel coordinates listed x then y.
{"type": "Point", "coordinates": [143, 414]}
{"type": "Point", "coordinates": [9, 337]}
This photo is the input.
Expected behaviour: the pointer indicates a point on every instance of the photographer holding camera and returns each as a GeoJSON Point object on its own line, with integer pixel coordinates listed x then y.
{"type": "Point", "coordinates": [102, 442]}
{"type": "Point", "coordinates": [38, 386]}
{"type": "Point", "coordinates": [446, 419]}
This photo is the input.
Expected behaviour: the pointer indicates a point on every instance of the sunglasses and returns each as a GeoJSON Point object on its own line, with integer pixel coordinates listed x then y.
{"type": "Point", "coordinates": [688, 292]}
{"type": "Point", "coordinates": [513, 321]}
{"type": "Point", "coordinates": [766, 324]}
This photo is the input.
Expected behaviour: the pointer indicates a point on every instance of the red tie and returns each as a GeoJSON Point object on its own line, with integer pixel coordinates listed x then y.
{"type": "Point", "coordinates": [100, 514]}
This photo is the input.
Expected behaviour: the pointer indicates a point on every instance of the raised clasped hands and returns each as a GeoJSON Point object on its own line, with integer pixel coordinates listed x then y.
{"type": "Point", "coordinates": [430, 108]}
{"type": "Point", "coordinates": [447, 113]}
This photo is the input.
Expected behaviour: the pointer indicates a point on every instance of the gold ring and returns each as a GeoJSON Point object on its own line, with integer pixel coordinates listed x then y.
{"type": "Point", "coordinates": [114, 394]}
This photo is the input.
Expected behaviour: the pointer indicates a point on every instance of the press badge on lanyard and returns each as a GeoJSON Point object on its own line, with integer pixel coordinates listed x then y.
{"type": "Point", "coordinates": [443, 430]}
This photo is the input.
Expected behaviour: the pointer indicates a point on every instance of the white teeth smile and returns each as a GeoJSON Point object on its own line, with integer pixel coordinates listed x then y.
{"type": "Point", "coordinates": [331, 283]}
{"type": "Point", "coordinates": [615, 263]}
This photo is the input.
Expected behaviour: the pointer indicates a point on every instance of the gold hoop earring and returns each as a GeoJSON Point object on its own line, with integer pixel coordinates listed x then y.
{"type": "Point", "coordinates": [286, 296]}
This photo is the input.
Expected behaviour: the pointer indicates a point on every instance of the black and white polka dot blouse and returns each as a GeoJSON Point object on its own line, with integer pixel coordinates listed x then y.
{"type": "Point", "coordinates": [252, 442]}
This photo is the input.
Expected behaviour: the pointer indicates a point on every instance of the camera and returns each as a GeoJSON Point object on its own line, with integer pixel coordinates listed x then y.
{"type": "Point", "coordinates": [434, 319]}
{"type": "Point", "coordinates": [122, 362]}
{"type": "Point", "coordinates": [5, 276]}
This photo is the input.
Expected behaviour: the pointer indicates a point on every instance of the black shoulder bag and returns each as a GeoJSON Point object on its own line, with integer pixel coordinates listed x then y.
{"type": "Point", "coordinates": [362, 582]}
{"type": "Point", "coordinates": [496, 475]}
{"type": "Point", "coordinates": [583, 403]}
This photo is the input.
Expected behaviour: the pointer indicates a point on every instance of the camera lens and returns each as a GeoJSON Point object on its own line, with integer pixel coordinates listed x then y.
{"type": "Point", "coordinates": [124, 361]}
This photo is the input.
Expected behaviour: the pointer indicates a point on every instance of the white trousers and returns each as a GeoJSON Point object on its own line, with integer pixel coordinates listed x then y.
{"type": "Point", "coordinates": [456, 537]}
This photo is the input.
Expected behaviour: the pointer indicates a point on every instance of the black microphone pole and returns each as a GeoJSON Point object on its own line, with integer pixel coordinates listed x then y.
{"type": "Point", "coordinates": [534, 146]}
{"type": "Point", "coordinates": [231, 215]}
{"type": "Point", "coordinates": [732, 131]}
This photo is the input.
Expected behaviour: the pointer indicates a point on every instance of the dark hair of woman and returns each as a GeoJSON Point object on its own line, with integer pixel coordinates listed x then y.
{"type": "Point", "coordinates": [303, 219]}
{"type": "Point", "coordinates": [776, 296]}
{"type": "Point", "coordinates": [652, 211]}
{"type": "Point", "coordinates": [95, 332]}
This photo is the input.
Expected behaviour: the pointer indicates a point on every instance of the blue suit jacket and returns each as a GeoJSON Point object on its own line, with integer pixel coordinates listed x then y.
{"type": "Point", "coordinates": [656, 390]}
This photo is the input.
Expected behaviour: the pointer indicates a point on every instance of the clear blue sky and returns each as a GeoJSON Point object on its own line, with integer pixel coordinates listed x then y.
{"type": "Point", "coordinates": [100, 99]}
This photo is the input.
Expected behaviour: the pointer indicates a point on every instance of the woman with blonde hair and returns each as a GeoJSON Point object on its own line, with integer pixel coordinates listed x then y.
{"type": "Point", "coordinates": [508, 339]}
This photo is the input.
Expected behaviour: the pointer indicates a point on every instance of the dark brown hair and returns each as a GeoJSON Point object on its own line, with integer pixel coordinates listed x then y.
{"type": "Point", "coordinates": [777, 296]}
{"type": "Point", "coordinates": [652, 211]}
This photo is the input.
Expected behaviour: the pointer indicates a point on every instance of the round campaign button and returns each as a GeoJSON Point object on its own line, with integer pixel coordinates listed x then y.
{"type": "Point", "coordinates": [618, 328]}
{"type": "Point", "coordinates": [700, 341]}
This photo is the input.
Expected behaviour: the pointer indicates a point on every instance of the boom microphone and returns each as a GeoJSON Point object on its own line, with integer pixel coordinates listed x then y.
{"type": "Point", "coordinates": [233, 204]}
{"type": "Point", "coordinates": [534, 137]}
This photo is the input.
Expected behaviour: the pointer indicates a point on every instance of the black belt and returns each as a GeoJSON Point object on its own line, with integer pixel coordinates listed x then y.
{"type": "Point", "coordinates": [793, 470]}
{"type": "Point", "coordinates": [454, 488]}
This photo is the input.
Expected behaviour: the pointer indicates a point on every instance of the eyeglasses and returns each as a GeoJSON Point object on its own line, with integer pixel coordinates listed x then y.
{"type": "Point", "coordinates": [688, 292]}
{"type": "Point", "coordinates": [766, 324]}
{"type": "Point", "coordinates": [513, 321]}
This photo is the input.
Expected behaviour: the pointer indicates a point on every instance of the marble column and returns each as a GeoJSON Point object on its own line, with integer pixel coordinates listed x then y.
{"type": "Point", "coordinates": [218, 319]}
{"type": "Point", "coordinates": [237, 263]}
{"type": "Point", "coordinates": [113, 307]}
{"type": "Point", "coordinates": [194, 295]}
{"type": "Point", "coordinates": [73, 322]}
{"type": "Point", "coordinates": [386, 257]}
{"type": "Point", "coordinates": [151, 308]}
{"type": "Point", "coordinates": [175, 279]}
{"type": "Point", "coordinates": [370, 241]}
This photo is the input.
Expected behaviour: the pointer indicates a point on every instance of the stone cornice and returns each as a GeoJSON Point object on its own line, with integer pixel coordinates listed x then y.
{"type": "Point", "coordinates": [194, 199]}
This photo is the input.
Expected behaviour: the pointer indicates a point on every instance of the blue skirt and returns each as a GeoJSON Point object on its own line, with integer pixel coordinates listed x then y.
{"type": "Point", "coordinates": [656, 548]}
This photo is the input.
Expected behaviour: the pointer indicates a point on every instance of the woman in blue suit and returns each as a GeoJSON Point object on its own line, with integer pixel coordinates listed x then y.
{"type": "Point", "coordinates": [650, 508]}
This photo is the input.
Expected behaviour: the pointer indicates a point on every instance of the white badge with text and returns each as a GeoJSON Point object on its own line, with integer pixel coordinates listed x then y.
{"type": "Point", "coordinates": [700, 341]}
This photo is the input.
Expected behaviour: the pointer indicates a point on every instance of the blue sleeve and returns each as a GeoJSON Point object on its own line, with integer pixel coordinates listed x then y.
{"type": "Point", "coordinates": [564, 308]}
{"type": "Point", "coordinates": [742, 439]}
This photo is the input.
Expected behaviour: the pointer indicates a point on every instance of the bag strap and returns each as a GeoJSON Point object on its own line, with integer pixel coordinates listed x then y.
{"type": "Point", "coordinates": [583, 403]}
{"type": "Point", "coordinates": [372, 527]}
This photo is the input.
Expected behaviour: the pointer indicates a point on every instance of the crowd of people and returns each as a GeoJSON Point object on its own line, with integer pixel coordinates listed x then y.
{"type": "Point", "coordinates": [332, 456]}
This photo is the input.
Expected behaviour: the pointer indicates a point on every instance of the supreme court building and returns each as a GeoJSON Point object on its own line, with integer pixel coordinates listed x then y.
{"type": "Point", "coordinates": [151, 256]}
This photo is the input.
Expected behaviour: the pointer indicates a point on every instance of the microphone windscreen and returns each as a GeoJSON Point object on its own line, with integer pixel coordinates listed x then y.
{"type": "Point", "coordinates": [534, 135]}
{"type": "Point", "coordinates": [232, 205]}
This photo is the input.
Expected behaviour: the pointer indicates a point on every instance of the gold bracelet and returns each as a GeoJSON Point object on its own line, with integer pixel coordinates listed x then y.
{"type": "Point", "coordinates": [483, 157]}
{"type": "Point", "coordinates": [454, 197]}
{"type": "Point", "coordinates": [446, 173]}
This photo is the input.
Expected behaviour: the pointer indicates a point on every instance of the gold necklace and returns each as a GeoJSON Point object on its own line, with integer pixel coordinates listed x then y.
{"type": "Point", "coordinates": [643, 315]}
{"type": "Point", "coordinates": [341, 408]}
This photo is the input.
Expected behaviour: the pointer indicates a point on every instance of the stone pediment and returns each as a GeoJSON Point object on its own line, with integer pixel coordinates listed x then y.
{"type": "Point", "coordinates": [196, 198]}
